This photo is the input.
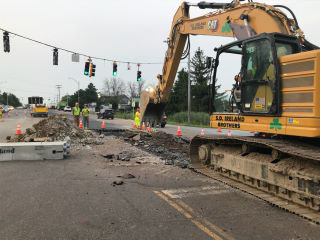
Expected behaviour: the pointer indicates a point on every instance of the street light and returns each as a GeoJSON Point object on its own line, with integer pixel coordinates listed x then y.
{"type": "Point", "coordinates": [78, 82]}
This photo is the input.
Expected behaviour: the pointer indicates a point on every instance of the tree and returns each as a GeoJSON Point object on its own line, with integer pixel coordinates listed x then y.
{"type": "Point", "coordinates": [113, 87]}
{"type": "Point", "coordinates": [178, 97]}
{"type": "Point", "coordinates": [201, 88]}
{"type": "Point", "coordinates": [200, 78]}
{"type": "Point", "coordinates": [140, 86]}
{"type": "Point", "coordinates": [89, 95]}
{"type": "Point", "coordinates": [132, 89]}
{"type": "Point", "coordinates": [12, 99]}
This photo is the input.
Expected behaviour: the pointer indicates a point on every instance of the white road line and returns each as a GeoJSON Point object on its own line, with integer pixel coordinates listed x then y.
{"type": "Point", "coordinates": [197, 191]}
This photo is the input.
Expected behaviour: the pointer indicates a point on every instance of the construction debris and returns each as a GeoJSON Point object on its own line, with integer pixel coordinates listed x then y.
{"type": "Point", "coordinates": [173, 150]}
{"type": "Point", "coordinates": [57, 128]}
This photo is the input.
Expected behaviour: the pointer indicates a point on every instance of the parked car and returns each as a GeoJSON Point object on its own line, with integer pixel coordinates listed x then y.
{"type": "Point", "coordinates": [106, 114]}
{"type": "Point", "coordinates": [11, 108]}
{"type": "Point", "coordinates": [67, 109]}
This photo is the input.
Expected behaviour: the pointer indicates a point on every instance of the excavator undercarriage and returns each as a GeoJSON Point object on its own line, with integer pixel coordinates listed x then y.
{"type": "Point", "coordinates": [283, 168]}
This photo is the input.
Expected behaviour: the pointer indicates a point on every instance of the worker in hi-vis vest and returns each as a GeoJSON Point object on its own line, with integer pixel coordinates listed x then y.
{"type": "Point", "coordinates": [85, 116]}
{"type": "Point", "coordinates": [137, 118]}
{"type": "Point", "coordinates": [76, 114]}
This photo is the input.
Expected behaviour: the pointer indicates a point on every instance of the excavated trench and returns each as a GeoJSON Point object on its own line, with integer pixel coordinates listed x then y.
{"type": "Point", "coordinates": [171, 149]}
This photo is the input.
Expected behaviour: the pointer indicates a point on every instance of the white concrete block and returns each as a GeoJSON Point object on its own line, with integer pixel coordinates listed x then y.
{"type": "Point", "coordinates": [33, 151]}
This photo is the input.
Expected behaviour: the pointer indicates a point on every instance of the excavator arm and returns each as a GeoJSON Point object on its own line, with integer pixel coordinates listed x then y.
{"type": "Point", "coordinates": [235, 20]}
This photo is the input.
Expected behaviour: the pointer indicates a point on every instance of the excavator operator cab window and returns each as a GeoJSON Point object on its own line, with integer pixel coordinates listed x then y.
{"type": "Point", "coordinates": [258, 85]}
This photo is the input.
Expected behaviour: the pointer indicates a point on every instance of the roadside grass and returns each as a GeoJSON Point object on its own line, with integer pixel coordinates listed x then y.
{"type": "Point", "coordinates": [124, 115]}
{"type": "Point", "coordinates": [197, 119]}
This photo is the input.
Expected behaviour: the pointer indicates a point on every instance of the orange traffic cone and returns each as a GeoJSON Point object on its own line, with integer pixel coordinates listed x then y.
{"type": "Point", "coordinates": [80, 125]}
{"type": "Point", "coordinates": [103, 124]}
{"type": "Point", "coordinates": [179, 132]}
{"type": "Point", "coordinates": [202, 132]}
{"type": "Point", "coordinates": [229, 133]}
{"type": "Point", "coordinates": [18, 130]}
{"type": "Point", "coordinates": [219, 131]}
{"type": "Point", "coordinates": [143, 126]}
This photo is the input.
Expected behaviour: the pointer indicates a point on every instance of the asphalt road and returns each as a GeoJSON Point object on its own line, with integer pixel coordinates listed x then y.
{"type": "Point", "coordinates": [189, 132]}
{"type": "Point", "coordinates": [10, 121]}
{"type": "Point", "coordinates": [75, 199]}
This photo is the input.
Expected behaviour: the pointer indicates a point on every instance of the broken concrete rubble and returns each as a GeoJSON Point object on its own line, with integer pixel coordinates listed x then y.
{"type": "Point", "coordinates": [57, 128]}
{"type": "Point", "coordinates": [171, 149]}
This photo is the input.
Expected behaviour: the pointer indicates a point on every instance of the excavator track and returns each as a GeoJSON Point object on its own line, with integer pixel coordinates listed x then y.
{"type": "Point", "coordinates": [281, 172]}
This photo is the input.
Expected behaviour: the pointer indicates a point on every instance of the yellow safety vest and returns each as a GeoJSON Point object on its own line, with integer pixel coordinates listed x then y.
{"type": "Point", "coordinates": [137, 119]}
{"type": "Point", "coordinates": [76, 111]}
{"type": "Point", "coordinates": [85, 112]}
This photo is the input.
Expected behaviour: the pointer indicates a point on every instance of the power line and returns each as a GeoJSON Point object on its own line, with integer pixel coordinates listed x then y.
{"type": "Point", "coordinates": [80, 54]}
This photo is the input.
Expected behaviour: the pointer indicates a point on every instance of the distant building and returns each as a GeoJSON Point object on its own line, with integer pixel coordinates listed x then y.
{"type": "Point", "coordinates": [121, 102]}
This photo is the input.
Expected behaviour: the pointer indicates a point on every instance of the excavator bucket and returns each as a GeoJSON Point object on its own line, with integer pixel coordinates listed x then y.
{"type": "Point", "coordinates": [151, 112]}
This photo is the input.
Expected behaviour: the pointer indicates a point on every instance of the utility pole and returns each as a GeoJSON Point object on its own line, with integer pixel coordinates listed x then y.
{"type": "Point", "coordinates": [67, 99]}
{"type": "Point", "coordinates": [189, 89]}
{"type": "Point", "coordinates": [58, 86]}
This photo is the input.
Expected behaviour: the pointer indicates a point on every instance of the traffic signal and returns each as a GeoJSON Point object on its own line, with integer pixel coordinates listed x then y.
{"type": "Point", "coordinates": [139, 76]}
{"type": "Point", "coordinates": [6, 42]}
{"type": "Point", "coordinates": [86, 68]}
{"type": "Point", "coordinates": [115, 69]}
{"type": "Point", "coordinates": [55, 56]}
{"type": "Point", "coordinates": [92, 70]}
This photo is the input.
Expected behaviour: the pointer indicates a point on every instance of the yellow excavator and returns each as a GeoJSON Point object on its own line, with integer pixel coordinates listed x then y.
{"type": "Point", "coordinates": [276, 95]}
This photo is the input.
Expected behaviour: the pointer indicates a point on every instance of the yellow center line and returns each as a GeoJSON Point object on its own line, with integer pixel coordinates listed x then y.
{"type": "Point", "coordinates": [189, 216]}
{"type": "Point", "coordinates": [211, 225]}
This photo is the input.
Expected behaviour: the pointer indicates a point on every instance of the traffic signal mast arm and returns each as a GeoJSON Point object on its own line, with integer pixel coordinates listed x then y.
{"type": "Point", "coordinates": [230, 20]}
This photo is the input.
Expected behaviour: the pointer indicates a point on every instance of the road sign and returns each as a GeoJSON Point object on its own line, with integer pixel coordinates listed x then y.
{"type": "Point", "coordinates": [75, 57]}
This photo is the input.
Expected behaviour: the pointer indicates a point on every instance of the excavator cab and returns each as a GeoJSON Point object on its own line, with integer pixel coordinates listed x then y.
{"type": "Point", "coordinates": [259, 78]}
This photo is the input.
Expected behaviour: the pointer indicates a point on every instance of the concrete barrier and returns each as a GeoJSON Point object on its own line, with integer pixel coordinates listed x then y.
{"type": "Point", "coordinates": [34, 151]}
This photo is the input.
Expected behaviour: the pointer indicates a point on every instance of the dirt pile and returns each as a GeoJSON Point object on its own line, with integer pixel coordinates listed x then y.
{"type": "Point", "coordinates": [173, 150]}
{"type": "Point", "coordinates": [56, 128]}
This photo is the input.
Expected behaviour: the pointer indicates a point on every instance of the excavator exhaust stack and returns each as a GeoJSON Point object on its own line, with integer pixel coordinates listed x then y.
{"type": "Point", "coordinates": [151, 112]}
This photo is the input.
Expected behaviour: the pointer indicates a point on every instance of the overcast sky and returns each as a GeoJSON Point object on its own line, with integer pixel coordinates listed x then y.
{"type": "Point", "coordinates": [117, 29]}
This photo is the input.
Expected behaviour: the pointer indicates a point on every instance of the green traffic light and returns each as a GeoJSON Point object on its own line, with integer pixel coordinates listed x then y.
{"type": "Point", "coordinates": [114, 74]}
